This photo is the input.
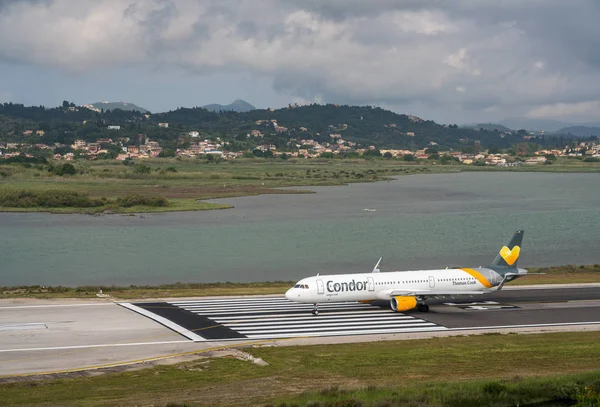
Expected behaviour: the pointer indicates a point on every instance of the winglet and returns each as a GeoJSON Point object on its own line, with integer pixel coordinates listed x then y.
{"type": "Point", "coordinates": [376, 268]}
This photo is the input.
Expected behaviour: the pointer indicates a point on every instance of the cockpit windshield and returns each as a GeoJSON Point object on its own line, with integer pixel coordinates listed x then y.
{"type": "Point", "coordinates": [302, 286]}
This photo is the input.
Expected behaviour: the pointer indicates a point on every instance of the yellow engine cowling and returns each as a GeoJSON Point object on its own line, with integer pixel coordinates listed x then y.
{"type": "Point", "coordinates": [400, 304]}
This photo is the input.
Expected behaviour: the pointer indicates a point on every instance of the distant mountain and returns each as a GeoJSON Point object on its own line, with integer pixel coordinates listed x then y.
{"type": "Point", "coordinates": [547, 125]}
{"type": "Point", "coordinates": [580, 131]}
{"type": "Point", "coordinates": [118, 105]}
{"type": "Point", "coordinates": [238, 105]}
{"type": "Point", "coordinates": [489, 126]}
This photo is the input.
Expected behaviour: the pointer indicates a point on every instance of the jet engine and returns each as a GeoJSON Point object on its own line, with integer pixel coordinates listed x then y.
{"type": "Point", "coordinates": [400, 304]}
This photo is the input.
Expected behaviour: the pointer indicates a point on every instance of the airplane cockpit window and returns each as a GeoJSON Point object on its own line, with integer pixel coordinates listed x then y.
{"type": "Point", "coordinates": [297, 286]}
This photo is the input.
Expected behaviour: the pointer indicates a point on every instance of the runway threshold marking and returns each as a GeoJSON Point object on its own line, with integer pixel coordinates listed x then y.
{"type": "Point", "coordinates": [277, 318]}
{"type": "Point", "coordinates": [164, 321]}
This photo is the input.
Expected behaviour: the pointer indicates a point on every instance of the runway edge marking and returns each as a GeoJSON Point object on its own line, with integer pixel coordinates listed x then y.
{"type": "Point", "coordinates": [163, 321]}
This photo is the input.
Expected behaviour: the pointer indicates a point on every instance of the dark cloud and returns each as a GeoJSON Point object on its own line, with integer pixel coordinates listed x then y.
{"type": "Point", "coordinates": [537, 56]}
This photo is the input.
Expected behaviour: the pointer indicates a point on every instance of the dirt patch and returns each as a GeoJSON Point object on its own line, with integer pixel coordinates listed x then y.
{"type": "Point", "coordinates": [199, 361]}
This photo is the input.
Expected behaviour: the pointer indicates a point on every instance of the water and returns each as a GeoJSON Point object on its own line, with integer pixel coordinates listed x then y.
{"type": "Point", "coordinates": [421, 221]}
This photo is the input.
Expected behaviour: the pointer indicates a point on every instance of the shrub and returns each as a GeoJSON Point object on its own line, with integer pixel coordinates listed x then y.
{"type": "Point", "coordinates": [141, 169]}
{"type": "Point", "coordinates": [47, 199]}
{"type": "Point", "coordinates": [140, 200]}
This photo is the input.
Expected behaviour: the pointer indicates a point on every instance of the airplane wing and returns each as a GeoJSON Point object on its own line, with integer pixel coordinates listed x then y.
{"type": "Point", "coordinates": [387, 294]}
{"type": "Point", "coordinates": [430, 293]}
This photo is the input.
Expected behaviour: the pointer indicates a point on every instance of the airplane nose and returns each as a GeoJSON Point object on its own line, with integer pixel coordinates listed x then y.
{"type": "Point", "coordinates": [288, 294]}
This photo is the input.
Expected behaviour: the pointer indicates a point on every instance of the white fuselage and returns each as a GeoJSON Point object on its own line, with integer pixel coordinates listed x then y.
{"type": "Point", "coordinates": [374, 286]}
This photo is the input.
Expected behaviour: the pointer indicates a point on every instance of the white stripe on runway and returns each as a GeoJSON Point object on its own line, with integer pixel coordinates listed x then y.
{"type": "Point", "coordinates": [229, 300]}
{"type": "Point", "coordinates": [344, 333]}
{"type": "Point", "coordinates": [317, 329]}
{"type": "Point", "coordinates": [263, 311]}
{"type": "Point", "coordinates": [283, 307]}
{"type": "Point", "coordinates": [103, 345]}
{"type": "Point", "coordinates": [331, 324]}
{"type": "Point", "coordinates": [277, 317]}
{"type": "Point", "coordinates": [318, 320]}
{"type": "Point", "coordinates": [302, 314]}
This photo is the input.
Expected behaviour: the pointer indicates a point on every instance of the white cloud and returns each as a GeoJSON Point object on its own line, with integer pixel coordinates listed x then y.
{"type": "Point", "coordinates": [411, 53]}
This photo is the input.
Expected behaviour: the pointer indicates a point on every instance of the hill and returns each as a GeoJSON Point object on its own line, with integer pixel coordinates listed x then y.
{"type": "Point", "coordinates": [238, 105]}
{"type": "Point", "coordinates": [580, 131]}
{"type": "Point", "coordinates": [362, 126]}
{"type": "Point", "coordinates": [490, 127]}
{"type": "Point", "coordinates": [129, 107]}
{"type": "Point", "coordinates": [547, 125]}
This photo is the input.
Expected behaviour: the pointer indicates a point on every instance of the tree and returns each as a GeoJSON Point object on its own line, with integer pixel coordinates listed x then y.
{"type": "Point", "coordinates": [67, 169]}
{"type": "Point", "coordinates": [387, 155]}
{"type": "Point", "coordinates": [408, 157]}
{"type": "Point", "coordinates": [268, 154]}
{"type": "Point", "coordinates": [372, 153]}
{"type": "Point", "coordinates": [166, 152]}
{"type": "Point", "coordinates": [142, 169]}
{"type": "Point", "coordinates": [258, 153]}
{"type": "Point", "coordinates": [448, 159]}
{"type": "Point", "coordinates": [283, 156]}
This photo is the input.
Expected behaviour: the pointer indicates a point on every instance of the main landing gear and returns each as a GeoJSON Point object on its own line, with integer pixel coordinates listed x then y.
{"type": "Point", "coordinates": [315, 310]}
{"type": "Point", "coordinates": [423, 308]}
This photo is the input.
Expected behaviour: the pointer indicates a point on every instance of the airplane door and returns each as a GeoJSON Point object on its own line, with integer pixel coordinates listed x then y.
{"type": "Point", "coordinates": [431, 282]}
{"type": "Point", "coordinates": [320, 287]}
{"type": "Point", "coordinates": [371, 283]}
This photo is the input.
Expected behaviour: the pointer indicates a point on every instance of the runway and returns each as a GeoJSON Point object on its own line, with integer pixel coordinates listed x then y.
{"type": "Point", "coordinates": [56, 336]}
{"type": "Point", "coordinates": [276, 317]}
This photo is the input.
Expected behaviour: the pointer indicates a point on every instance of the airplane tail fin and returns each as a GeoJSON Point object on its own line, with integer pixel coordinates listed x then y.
{"type": "Point", "coordinates": [510, 252]}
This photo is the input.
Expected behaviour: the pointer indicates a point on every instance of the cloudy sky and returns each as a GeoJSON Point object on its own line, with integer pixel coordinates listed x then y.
{"type": "Point", "coordinates": [451, 61]}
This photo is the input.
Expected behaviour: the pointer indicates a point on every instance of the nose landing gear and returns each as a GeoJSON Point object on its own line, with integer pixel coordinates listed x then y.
{"type": "Point", "coordinates": [423, 308]}
{"type": "Point", "coordinates": [315, 310]}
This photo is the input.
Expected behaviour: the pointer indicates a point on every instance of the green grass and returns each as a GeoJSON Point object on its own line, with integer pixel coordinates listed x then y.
{"type": "Point", "coordinates": [556, 391]}
{"type": "Point", "coordinates": [555, 275]}
{"type": "Point", "coordinates": [196, 179]}
{"type": "Point", "coordinates": [465, 370]}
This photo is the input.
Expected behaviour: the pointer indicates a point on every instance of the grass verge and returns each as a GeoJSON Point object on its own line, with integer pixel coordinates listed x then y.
{"type": "Point", "coordinates": [555, 275]}
{"type": "Point", "coordinates": [492, 369]}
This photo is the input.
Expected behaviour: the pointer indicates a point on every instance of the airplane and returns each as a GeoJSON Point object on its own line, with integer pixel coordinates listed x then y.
{"type": "Point", "coordinates": [407, 290]}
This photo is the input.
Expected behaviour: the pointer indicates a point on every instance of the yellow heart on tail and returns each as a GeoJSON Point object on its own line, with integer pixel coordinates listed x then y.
{"type": "Point", "coordinates": [510, 256]}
